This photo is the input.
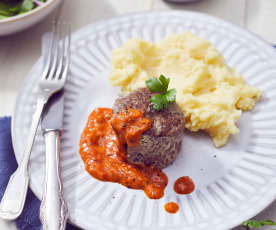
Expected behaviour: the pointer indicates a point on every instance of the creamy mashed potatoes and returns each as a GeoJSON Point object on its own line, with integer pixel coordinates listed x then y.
{"type": "Point", "coordinates": [211, 94]}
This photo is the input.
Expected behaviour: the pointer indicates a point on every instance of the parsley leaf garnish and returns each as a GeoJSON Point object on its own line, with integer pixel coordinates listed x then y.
{"type": "Point", "coordinates": [160, 85]}
{"type": "Point", "coordinates": [171, 95]}
{"type": "Point", "coordinates": [159, 102]}
{"type": "Point", "coordinates": [254, 224]}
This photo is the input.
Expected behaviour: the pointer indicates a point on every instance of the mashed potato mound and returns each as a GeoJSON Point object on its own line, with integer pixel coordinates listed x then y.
{"type": "Point", "coordinates": [211, 94]}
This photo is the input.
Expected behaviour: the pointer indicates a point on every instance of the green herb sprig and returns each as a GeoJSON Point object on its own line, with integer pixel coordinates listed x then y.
{"type": "Point", "coordinates": [160, 85]}
{"type": "Point", "coordinates": [255, 224]}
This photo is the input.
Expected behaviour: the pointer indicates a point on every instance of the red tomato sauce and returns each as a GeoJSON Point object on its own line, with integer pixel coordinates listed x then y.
{"type": "Point", "coordinates": [184, 185]}
{"type": "Point", "coordinates": [130, 126]}
{"type": "Point", "coordinates": [171, 207]}
{"type": "Point", "coordinates": [103, 152]}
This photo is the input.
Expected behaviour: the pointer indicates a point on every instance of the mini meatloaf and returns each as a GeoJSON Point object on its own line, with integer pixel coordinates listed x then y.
{"type": "Point", "coordinates": [159, 145]}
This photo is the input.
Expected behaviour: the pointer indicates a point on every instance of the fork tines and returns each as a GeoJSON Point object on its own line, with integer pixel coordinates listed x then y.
{"type": "Point", "coordinates": [58, 56]}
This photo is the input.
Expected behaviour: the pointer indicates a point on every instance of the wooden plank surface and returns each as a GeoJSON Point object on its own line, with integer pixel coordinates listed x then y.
{"type": "Point", "coordinates": [219, 8]}
{"type": "Point", "coordinates": [261, 18]}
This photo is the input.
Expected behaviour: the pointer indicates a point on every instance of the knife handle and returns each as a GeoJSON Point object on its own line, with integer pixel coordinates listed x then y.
{"type": "Point", "coordinates": [53, 209]}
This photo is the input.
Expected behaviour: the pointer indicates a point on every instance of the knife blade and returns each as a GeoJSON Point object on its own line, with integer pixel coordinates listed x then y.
{"type": "Point", "coordinates": [52, 117]}
{"type": "Point", "coordinates": [53, 209]}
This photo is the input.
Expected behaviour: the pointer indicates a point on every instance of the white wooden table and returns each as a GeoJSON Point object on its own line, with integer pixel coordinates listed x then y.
{"type": "Point", "coordinates": [19, 52]}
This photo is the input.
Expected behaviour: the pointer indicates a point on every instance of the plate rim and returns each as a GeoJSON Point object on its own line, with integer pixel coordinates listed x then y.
{"type": "Point", "coordinates": [235, 222]}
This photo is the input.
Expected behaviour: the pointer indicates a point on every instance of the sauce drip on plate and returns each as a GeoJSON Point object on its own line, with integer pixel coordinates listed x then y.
{"type": "Point", "coordinates": [103, 152]}
{"type": "Point", "coordinates": [184, 185]}
{"type": "Point", "coordinates": [171, 207]}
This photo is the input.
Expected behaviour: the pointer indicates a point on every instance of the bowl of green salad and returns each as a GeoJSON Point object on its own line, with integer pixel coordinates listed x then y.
{"type": "Point", "coordinates": [17, 15]}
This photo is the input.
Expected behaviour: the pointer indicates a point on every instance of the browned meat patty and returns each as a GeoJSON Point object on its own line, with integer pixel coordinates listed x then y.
{"type": "Point", "coordinates": [160, 145]}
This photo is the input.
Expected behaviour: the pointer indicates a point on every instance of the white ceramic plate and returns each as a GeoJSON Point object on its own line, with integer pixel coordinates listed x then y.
{"type": "Point", "coordinates": [233, 183]}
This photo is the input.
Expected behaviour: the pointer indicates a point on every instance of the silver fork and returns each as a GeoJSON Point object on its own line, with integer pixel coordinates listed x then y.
{"type": "Point", "coordinates": [52, 80]}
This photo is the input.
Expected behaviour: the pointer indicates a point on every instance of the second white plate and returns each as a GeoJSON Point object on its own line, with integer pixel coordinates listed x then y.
{"type": "Point", "coordinates": [233, 183]}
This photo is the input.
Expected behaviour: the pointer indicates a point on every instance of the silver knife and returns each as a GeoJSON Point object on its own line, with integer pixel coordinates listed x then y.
{"type": "Point", "coordinates": [53, 209]}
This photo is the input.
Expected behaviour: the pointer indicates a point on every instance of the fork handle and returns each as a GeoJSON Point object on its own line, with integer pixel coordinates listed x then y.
{"type": "Point", "coordinates": [14, 198]}
{"type": "Point", "coordinates": [53, 209]}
